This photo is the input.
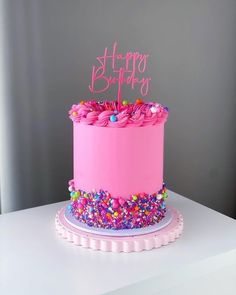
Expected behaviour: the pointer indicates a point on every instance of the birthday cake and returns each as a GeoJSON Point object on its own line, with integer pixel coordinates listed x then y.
{"type": "Point", "coordinates": [117, 194]}
{"type": "Point", "coordinates": [118, 164]}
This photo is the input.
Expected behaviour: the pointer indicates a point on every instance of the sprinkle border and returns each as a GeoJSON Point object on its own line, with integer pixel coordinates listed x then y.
{"type": "Point", "coordinates": [99, 209]}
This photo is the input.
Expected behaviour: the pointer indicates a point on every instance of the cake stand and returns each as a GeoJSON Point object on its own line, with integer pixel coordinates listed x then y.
{"type": "Point", "coordinates": [132, 240]}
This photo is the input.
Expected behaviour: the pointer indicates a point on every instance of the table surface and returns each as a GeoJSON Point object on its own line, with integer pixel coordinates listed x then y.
{"type": "Point", "coordinates": [34, 259]}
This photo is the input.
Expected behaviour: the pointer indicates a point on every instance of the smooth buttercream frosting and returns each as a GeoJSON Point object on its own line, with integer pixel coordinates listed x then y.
{"type": "Point", "coordinates": [122, 161]}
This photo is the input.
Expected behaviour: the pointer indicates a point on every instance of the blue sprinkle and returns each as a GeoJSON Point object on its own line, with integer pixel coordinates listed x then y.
{"type": "Point", "coordinates": [163, 206]}
{"type": "Point", "coordinates": [90, 209]}
{"type": "Point", "coordinates": [113, 118]}
{"type": "Point", "coordinates": [97, 197]}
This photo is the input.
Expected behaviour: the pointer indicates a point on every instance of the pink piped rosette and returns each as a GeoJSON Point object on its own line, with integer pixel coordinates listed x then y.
{"type": "Point", "coordinates": [106, 114]}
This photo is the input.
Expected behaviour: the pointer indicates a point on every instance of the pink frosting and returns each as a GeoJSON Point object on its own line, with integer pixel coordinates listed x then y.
{"type": "Point", "coordinates": [123, 161]}
{"type": "Point", "coordinates": [130, 115]}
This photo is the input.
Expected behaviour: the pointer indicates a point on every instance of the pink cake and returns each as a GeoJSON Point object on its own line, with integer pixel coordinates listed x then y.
{"type": "Point", "coordinates": [118, 164]}
{"type": "Point", "coordinates": [117, 192]}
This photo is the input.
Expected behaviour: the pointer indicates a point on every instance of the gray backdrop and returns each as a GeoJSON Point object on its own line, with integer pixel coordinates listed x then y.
{"type": "Point", "coordinates": [49, 49]}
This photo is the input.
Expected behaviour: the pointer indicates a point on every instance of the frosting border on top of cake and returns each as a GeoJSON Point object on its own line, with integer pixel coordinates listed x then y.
{"type": "Point", "coordinates": [100, 209]}
{"type": "Point", "coordinates": [106, 113]}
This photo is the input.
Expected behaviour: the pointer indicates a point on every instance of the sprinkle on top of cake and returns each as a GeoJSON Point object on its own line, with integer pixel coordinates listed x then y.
{"type": "Point", "coordinates": [106, 113]}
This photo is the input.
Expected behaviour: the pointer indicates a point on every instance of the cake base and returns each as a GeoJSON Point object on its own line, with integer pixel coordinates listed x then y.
{"type": "Point", "coordinates": [126, 243]}
{"type": "Point", "coordinates": [121, 232]}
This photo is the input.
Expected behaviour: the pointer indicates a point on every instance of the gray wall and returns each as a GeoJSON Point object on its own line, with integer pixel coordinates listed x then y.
{"type": "Point", "coordinates": [50, 47]}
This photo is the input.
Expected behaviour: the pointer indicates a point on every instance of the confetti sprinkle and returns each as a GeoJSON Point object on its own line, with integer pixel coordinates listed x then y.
{"type": "Point", "coordinates": [100, 209]}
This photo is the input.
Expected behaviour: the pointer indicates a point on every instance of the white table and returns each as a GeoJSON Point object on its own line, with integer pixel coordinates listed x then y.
{"type": "Point", "coordinates": [34, 259]}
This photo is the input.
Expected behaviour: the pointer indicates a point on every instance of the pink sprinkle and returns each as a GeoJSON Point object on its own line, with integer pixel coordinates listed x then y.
{"type": "Point", "coordinates": [71, 182]}
{"type": "Point", "coordinates": [115, 203]}
{"type": "Point", "coordinates": [121, 201]}
{"type": "Point", "coordinates": [83, 201]}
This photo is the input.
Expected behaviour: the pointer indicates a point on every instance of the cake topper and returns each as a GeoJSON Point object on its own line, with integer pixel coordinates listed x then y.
{"type": "Point", "coordinates": [117, 68]}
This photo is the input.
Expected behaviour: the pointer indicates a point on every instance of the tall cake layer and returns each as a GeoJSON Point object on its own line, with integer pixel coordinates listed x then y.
{"type": "Point", "coordinates": [123, 161]}
{"type": "Point", "coordinates": [118, 164]}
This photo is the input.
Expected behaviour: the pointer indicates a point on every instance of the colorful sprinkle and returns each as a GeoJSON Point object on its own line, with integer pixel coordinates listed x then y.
{"type": "Point", "coordinates": [139, 101]}
{"type": "Point", "coordinates": [153, 109]}
{"type": "Point", "coordinates": [165, 195]}
{"type": "Point", "coordinates": [121, 201]}
{"type": "Point", "coordinates": [101, 114]}
{"type": "Point", "coordinates": [97, 197]}
{"type": "Point", "coordinates": [70, 188]}
{"type": "Point", "coordinates": [159, 196]}
{"type": "Point", "coordinates": [116, 214]}
{"type": "Point", "coordinates": [100, 209]}
{"type": "Point", "coordinates": [115, 203]}
{"type": "Point", "coordinates": [113, 118]}
{"type": "Point", "coordinates": [134, 198]}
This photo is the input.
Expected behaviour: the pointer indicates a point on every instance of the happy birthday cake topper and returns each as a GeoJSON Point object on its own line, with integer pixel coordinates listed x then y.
{"type": "Point", "coordinates": [117, 68]}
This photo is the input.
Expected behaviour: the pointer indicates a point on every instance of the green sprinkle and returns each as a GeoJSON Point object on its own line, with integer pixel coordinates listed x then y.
{"type": "Point", "coordinates": [135, 198]}
{"type": "Point", "coordinates": [165, 196]}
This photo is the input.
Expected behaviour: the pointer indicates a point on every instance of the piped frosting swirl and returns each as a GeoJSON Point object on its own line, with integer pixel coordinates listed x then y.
{"type": "Point", "coordinates": [106, 114]}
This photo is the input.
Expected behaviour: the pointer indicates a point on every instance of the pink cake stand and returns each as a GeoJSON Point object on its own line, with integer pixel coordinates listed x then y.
{"type": "Point", "coordinates": [135, 242]}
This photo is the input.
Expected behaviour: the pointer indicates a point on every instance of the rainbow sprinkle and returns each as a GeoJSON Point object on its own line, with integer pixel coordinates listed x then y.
{"type": "Point", "coordinates": [101, 210]}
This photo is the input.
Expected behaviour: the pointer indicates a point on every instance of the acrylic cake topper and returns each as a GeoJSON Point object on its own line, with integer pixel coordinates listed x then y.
{"type": "Point", "coordinates": [117, 68]}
